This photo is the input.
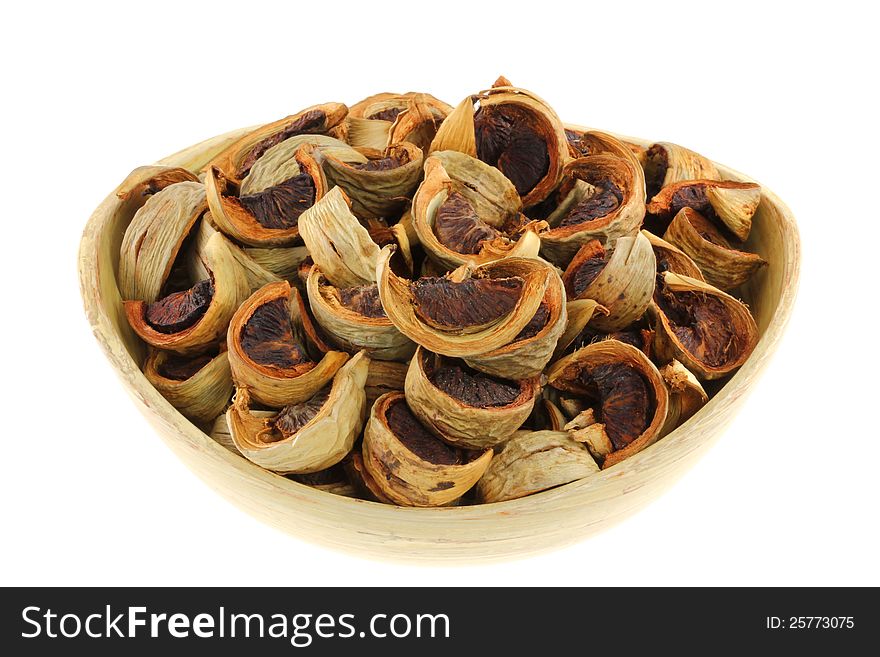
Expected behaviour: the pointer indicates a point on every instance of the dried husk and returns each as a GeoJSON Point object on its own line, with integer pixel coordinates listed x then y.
{"type": "Point", "coordinates": [667, 163]}
{"type": "Point", "coordinates": [397, 300]}
{"type": "Point", "coordinates": [564, 375]}
{"type": "Point", "coordinates": [338, 243]}
{"type": "Point", "coordinates": [670, 258]}
{"type": "Point", "coordinates": [363, 482]}
{"type": "Point", "coordinates": [595, 142]}
{"type": "Point", "coordinates": [686, 395]}
{"type": "Point", "coordinates": [625, 285]}
{"type": "Point", "coordinates": [154, 238]}
{"type": "Point", "coordinates": [723, 266]}
{"type": "Point", "coordinates": [403, 477]}
{"type": "Point", "coordinates": [238, 222]}
{"type": "Point", "coordinates": [734, 203]}
{"type": "Point", "coordinates": [280, 163]}
{"type": "Point", "coordinates": [456, 422]}
{"type": "Point", "coordinates": [321, 443]}
{"type": "Point", "coordinates": [233, 161]}
{"type": "Point", "coordinates": [201, 397]}
{"type": "Point", "coordinates": [458, 134]}
{"type": "Point", "coordinates": [278, 386]}
{"type": "Point", "coordinates": [532, 461]}
{"type": "Point", "coordinates": [333, 480]}
{"type": "Point", "coordinates": [256, 274]}
{"type": "Point", "coordinates": [280, 261]}
{"type": "Point", "coordinates": [495, 202]}
{"type": "Point", "coordinates": [350, 330]}
{"type": "Point", "coordinates": [555, 418]}
{"type": "Point", "coordinates": [579, 313]}
{"type": "Point", "coordinates": [738, 319]}
{"type": "Point", "coordinates": [527, 357]}
{"type": "Point", "coordinates": [230, 288]}
{"type": "Point", "coordinates": [419, 117]}
{"type": "Point", "coordinates": [384, 376]}
{"type": "Point", "coordinates": [380, 192]}
{"type": "Point", "coordinates": [560, 243]}
{"type": "Point", "coordinates": [145, 181]}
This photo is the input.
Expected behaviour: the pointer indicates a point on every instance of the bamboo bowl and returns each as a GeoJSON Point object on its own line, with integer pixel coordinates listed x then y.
{"type": "Point", "coordinates": [538, 523]}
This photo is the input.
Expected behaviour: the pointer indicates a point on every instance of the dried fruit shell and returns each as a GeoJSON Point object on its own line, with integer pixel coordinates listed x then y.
{"type": "Point", "coordinates": [620, 279]}
{"type": "Point", "coordinates": [154, 238]}
{"type": "Point", "coordinates": [513, 130]}
{"type": "Point", "coordinates": [338, 243]}
{"type": "Point", "coordinates": [355, 326]}
{"type": "Point", "coordinates": [236, 161]}
{"type": "Point", "coordinates": [686, 395]}
{"type": "Point", "coordinates": [268, 217]}
{"type": "Point", "coordinates": [709, 331]}
{"type": "Point", "coordinates": [532, 461]}
{"type": "Point", "coordinates": [608, 203]}
{"type": "Point", "coordinates": [432, 475]}
{"type": "Point", "coordinates": [387, 118]}
{"type": "Point", "coordinates": [500, 328]}
{"type": "Point", "coordinates": [627, 388]}
{"type": "Point", "coordinates": [733, 203]}
{"type": "Point", "coordinates": [723, 266]}
{"type": "Point", "coordinates": [462, 407]}
{"type": "Point", "coordinates": [200, 326]}
{"type": "Point", "coordinates": [384, 376]}
{"type": "Point", "coordinates": [667, 164]}
{"type": "Point", "coordinates": [380, 187]}
{"type": "Point", "coordinates": [579, 313]}
{"type": "Point", "coordinates": [670, 258]}
{"type": "Point", "coordinates": [308, 436]}
{"type": "Point", "coordinates": [533, 347]}
{"type": "Point", "coordinates": [199, 388]}
{"type": "Point", "coordinates": [275, 355]}
{"type": "Point", "coordinates": [145, 181]}
{"type": "Point", "coordinates": [466, 211]}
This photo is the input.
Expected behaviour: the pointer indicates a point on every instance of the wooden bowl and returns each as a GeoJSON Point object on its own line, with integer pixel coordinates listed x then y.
{"type": "Point", "coordinates": [541, 522]}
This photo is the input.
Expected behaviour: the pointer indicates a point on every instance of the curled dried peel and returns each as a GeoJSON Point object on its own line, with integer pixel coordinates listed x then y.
{"type": "Point", "coordinates": [268, 217]}
{"type": "Point", "coordinates": [670, 258]}
{"type": "Point", "coordinates": [532, 461]}
{"type": "Point", "coordinates": [204, 327]}
{"type": "Point", "coordinates": [623, 286]}
{"type": "Point", "coordinates": [154, 238]}
{"type": "Point", "coordinates": [286, 381]}
{"type": "Point", "coordinates": [529, 352]}
{"type": "Point", "coordinates": [723, 266]}
{"type": "Point", "coordinates": [490, 217]}
{"type": "Point", "coordinates": [279, 163]}
{"type": "Point", "coordinates": [237, 160]}
{"type": "Point", "coordinates": [338, 243]}
{"type": "Point", "coordinates": [433, 475]}
{"type": "Point", "coordinates": [380, 187]}
{"type": "Point", "coordinates": [667, 163]}
{"type": "Point", "coordinates": [352, 330]}
{"type": "Point", "coordinates": [686, 395]}
{"type": "Point", "coordinates": [625, 386]}
{"type": "Point", "coordinates": [514, 130]}
{"type": "Point", "coordinates": [579, 313]}
{"type": "Point", "coordinates": [324, 439]}
{"type": "Point", "coordinates": [709, 331]}
{"type": "Point", "coordinates": [145, 181]}
{"type": "Point", "coordinates": [397, 300]}
{"type": "Point", "coordinates": [732, 203]}
{"type": "Point", "coordinates": [464, 408]}
{"type": "Point", "coordinates": [609, 203]}
{"type": "Point", "coordinates": [388, 118]}
{"type": "Point", "coordinates": [200, 395]}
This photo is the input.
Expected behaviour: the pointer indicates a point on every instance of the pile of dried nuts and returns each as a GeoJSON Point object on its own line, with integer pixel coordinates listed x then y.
{"type": "Point", "coordinates": [425, 305]}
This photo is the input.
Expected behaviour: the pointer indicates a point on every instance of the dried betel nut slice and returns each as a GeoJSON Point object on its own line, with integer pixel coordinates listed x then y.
{"type": "Point", "coordinates": [627, 400]}
{"type": "Point", "coordinates": [275, 351]}
{"type": "Point", "coordinates": [464, 407]}
{"type": "Point", "coordinates": [408, 464]}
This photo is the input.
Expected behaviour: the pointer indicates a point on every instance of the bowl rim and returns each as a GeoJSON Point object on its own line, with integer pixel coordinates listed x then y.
{"type": "Point", "coordinates": [628, 473]}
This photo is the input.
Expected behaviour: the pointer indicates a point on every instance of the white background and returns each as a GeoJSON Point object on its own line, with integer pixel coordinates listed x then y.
{"type": "Point", "coordinates": [89, 493]}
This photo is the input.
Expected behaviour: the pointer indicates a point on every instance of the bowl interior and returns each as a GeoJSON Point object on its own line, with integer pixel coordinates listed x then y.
{"type": "Point", "coordinates": [535, 523]}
